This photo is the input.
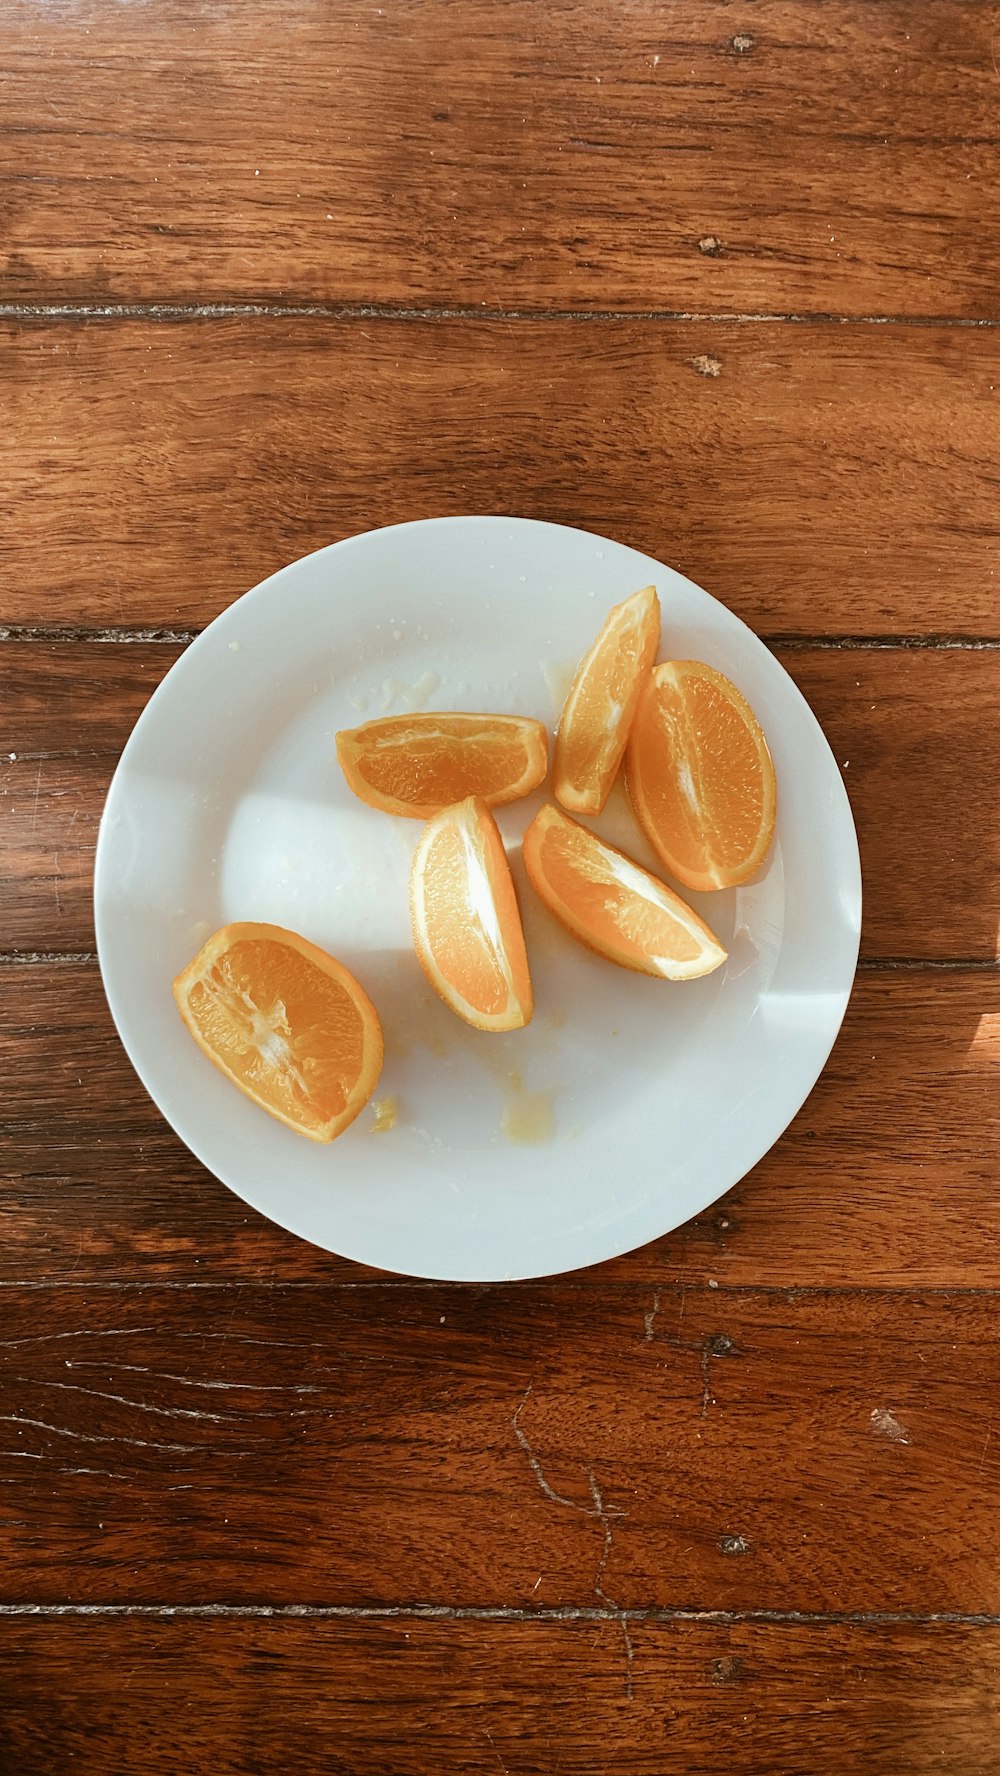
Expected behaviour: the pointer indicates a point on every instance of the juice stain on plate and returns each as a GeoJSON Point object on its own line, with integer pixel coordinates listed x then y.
{"type": "Point", "coordinates": [558, 679]}
{"type": "Point", "coordinates": [385, 1115]}
{"type": "Point", "coordinates": [408, 697]}
{"type": "Point", "coordinates": [528, 1118]}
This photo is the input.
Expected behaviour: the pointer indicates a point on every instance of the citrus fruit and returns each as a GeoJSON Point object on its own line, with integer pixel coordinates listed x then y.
{"type": "Point", "coordinates": [466, 924]}
{"type": "Point", "coordinates": [419, 764]}
{"type": "Point", "coordinates": [598, 711]}
{"type": "Point", "coordinates": [286, 1023]}
{"type": "Point", "coordinates": [700, 776]}
{"type": "Point", "coordinates": [613, 905]}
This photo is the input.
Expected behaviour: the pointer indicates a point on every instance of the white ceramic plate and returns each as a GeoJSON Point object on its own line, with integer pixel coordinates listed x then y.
{"type": "Point", "coordinates": [641, 1101]}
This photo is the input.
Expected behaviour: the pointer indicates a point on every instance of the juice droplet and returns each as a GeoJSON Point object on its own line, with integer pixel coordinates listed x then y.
{"type": "Point", "coordinates": [385, 1115]}
{"type": "Point", "coordinates": [559, 678]}
{"type": "Point", "coordinates": [528, 1118]}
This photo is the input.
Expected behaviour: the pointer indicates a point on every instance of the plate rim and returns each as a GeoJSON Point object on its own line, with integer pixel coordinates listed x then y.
{"type": "Point", "coordinates": [266, 587]}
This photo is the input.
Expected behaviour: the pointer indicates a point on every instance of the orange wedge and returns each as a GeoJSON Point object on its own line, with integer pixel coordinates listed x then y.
{"type": "Point", "coordinates": [613, 905]}
{"type": "Point", "coordinates": [419, 764]}
{"type": "Point", "coordinates": [286, 1023]}
{"type": "Point", "coordinates": [598, 712]}
{"type": "Point", "coordinates": [466, 925]}
{"type": "Point", "coordinates": [700, 776]}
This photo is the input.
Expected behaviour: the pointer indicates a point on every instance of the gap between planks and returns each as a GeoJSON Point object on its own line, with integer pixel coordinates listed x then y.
{"type": "Point", "coordinates": [866, 964]}
{"type": "Point", "coordinates": [428, 1612]}
{"type": "Point", "coordinates": [585, 1282]}
{"type": "Point", "coordinates": [120, 636]}
{"type": "Point", "coordinates": [371, 311]}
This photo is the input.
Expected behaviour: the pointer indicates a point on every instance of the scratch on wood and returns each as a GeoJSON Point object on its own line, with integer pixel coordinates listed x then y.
{"type": "Point", "coordinates": [254, 1387]}
{"type": "Point", "coordinates": [604, 1518]}
{"type": "Point", "coordinates": [40, 1424]}
{"type": "Point", "coordinates": [649, 1319]}
{"type": "Point", "coordinates": [718, 1345]}
{"type": "Point", "coordinates": [706, 1392]}
{"type": "Point", "coordinates": [496, 1754]}
{"type": "Point", "coordinates": [556, 1498]}
{"type": "Point", "coordinates": [136, 1405]}
{"type": "Point", "coordinates": [989, 1433]}
{"type": "Point", "coordinates": [99, 1473]}
{"type": "Point", "coordinates": [599, 1513]}
{"type": "Point", "coordinates": [57, 1337]}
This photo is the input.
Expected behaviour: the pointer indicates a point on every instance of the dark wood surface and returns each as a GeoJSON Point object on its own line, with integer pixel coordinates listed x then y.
{"type": "Point", "coordinates": [792, 156]}
{"type": "Point", "coordinates": [721, 281]}
{"type": "Point", "coordinates": [546, 1447]}
{"type": "Point", "coordinates": [414, 1694]}
{"type": "Point", "coordinates": [820, 479]}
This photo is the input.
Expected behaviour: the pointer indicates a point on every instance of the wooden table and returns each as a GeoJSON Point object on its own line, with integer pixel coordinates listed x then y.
{"type": "Point", "coordinates": [720, 280]}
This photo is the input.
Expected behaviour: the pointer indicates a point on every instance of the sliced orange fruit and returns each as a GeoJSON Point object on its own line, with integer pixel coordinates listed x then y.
{"type": "Point", "coordinates": [613, 905]}
{"type": "Point", "coordinates": [700, 776]}
{"type": "Point", "coordinates": [466, 924]}
{"type": "Point", "coordinates": [419, 764]}
{"type": "Point", "coordinates": [286, 1023]}
{"type": "Point", "coordinates": [598, 712]}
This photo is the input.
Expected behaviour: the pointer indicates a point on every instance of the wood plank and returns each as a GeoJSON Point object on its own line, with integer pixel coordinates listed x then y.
{"type": "Point", "coordinates": [533, 1698]}
{"type": "Point", "coordinates": [915, 736]}
{"type": "Point", "coordinates": [216, 453]}
{"type": "Point", "coordinates": [888, 1176]}
{"type": "Point", "coordinates": [913, 730]}
{"type": "Point", "coordinates": [525, 1447]}
{"type": "Point", "coordinates": [65, 714]}
{"type": "Point", "coordinates": [834, 158]}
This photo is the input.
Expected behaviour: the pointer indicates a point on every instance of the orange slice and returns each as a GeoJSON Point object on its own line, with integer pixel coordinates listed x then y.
{"type": "Point", "coordinates": [613, 905]}
{"type": "Point", "coordinates": [419, 764]}
{"type": "Point", "coordinates": [598, 712]}
{"type": "Point", "coordinates": [700, 776]}
{"type": "Point", "coordinates": [286, 1023]}
{"type": "Point", "coordinates": [466, 925]}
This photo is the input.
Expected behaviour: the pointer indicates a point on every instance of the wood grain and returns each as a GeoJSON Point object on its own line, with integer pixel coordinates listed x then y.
{"type": "Point", "coordinates": [727, 1503]}
{"type": "Point", "coordinates": [818, 479]}
{"type": "Point", "coordinates": [888, 1176]}
{"type": "Point", "coordinates": [572, 156]}
{"type": "Point", "coordinates": [914, 733]}
{"type": "Point", "coordinates": [532, 1446]}
{"type": "Point", "coordinates": [527, 1698]}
